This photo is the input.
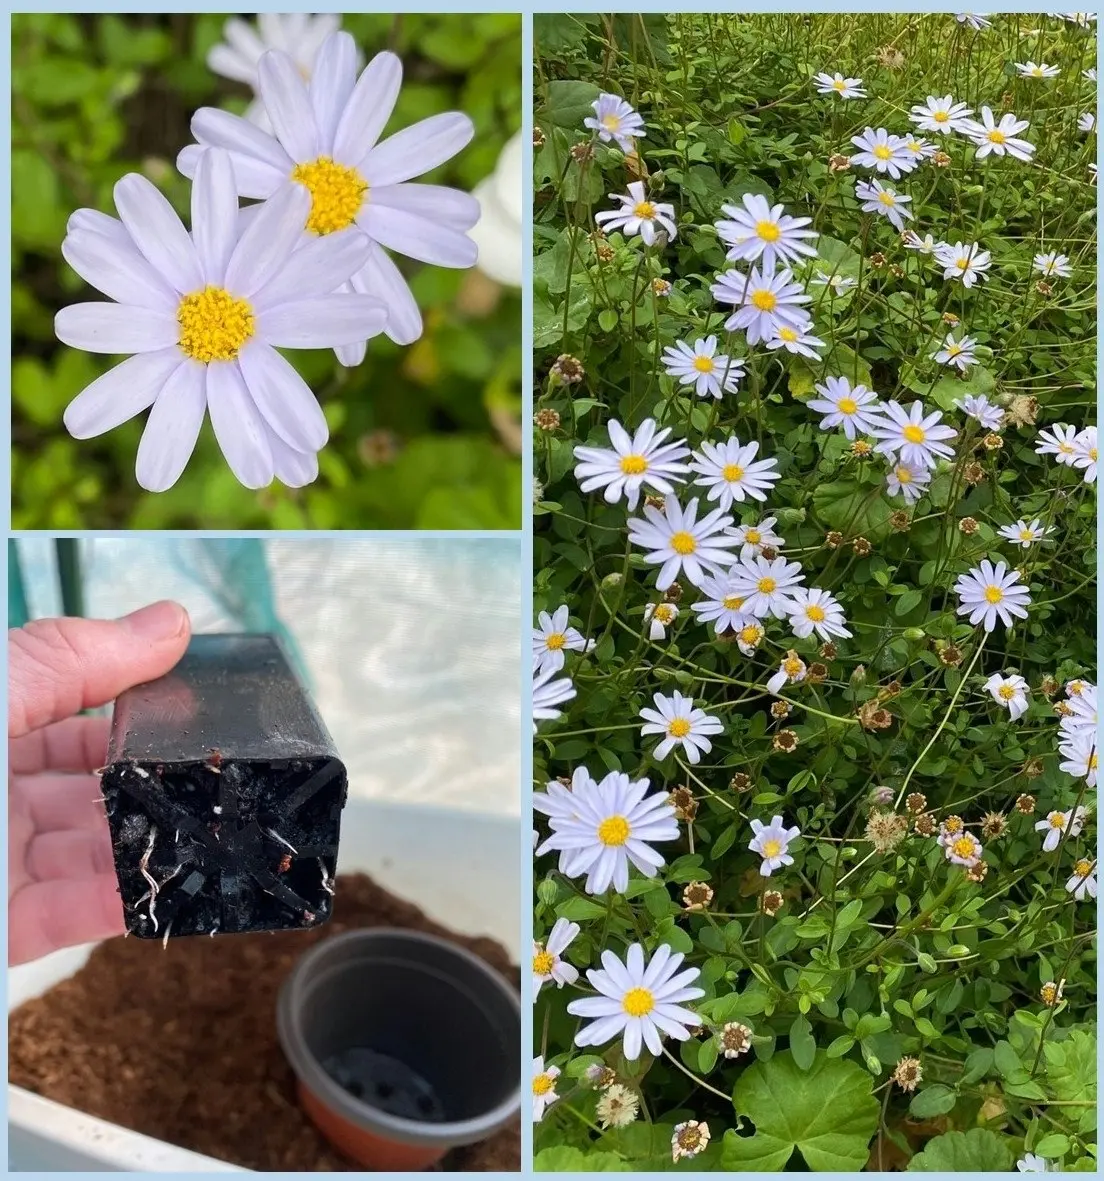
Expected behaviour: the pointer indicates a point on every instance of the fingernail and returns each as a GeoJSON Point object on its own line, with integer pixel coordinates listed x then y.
{"type": "Point", "coordinates": [158, 621]}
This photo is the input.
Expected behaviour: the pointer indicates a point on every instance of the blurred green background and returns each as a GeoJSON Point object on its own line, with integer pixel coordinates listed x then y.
{"type": "Point", "coordinates": [421, 437]}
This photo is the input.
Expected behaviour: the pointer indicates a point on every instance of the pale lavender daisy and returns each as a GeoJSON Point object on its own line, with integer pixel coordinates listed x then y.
{"type": "Point", "coordinates": [614, 119]}
{"type": "Point", "coordinates": [854, 408]}
{"type": "Point", "coordinates": [639, 214]}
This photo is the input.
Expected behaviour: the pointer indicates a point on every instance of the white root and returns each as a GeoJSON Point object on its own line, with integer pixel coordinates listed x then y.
{"type": "Point", "coordinates": [143, 865]}
{"type": "Point", "coordinates": [276, 837]}
{"type": "Point", "coordinates": [327, 881]}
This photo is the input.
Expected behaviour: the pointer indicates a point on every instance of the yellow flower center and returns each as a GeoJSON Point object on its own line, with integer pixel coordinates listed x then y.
{"type": "Point", "coordinates": [787, 334]}
{"type": "Point", "coordinates": [791, 667]}
{"type": "Point", "coordinates": [683, 543]}
{"type": "Point", "coordinates": [638, 1002]}
{"type": "Point", "coordinates": [839, 84]}
{"type": "Point", "coordinates": [1058, 820]}
{"type": "Point", "coordinates": [768, 231]}
{"type": "Point", "coordinates": [953, 350]}
{"type": "Point", "coordinates": [613, 831]}
{"type": "Point", "coordinates": [1092, 454]}
{"type": "Point", "coordinates": [678, 727]}
{"type": "Point", "coordinates": [753, 536]}
{"type": "Point", "coordinates": [732, 602]}
{"type": "Point", "coordinates": [914, 145]}
{"type": "Point", "coordinates": [963, 847]}
{"type": "Point", "coordinates": [764, 300]}
{"type": "Point", "coordinates": [337, 194]}
{"type": "Point", "coordinates": [1093, 761]}
{"type": "Point", "coordinates": [766, 585]}
{"type": "Point", "coordinates": [996, 137]}
{"type": "Point", "coordinates": [663, 613]}
{"type": "Point", "coordinates": [732, 472]}
{"type": "Point", "coordinates": [847, 405]}
{"type": "Point", "coordinates": [1006, 692]}
{"type": "Point", "coordinates": [644, 209]}
{"type": "Point", "coordinates": [750, 634]}
{"type": "Point", "coordinates": [962, 263]}
{"type": "Point", "coordinates": [772, 848]}
{"type": "Point", "coordinates": [1037, 71]}
{"type": "Point", "coordinates": [542, 1084]}
{"type": "Point", "coordinates": [633, 465]}
{"type": "Point", "coordinates": [214, 325]}
{"type": "Point", "coordinates": [914, 433]}
{"type": "Point", "coordinates": [1026, 535]}
{"type": "Point", "coordinates": [887, 198]}
{"type": "Point", "coordinates": [882, 152]}
{"type": "Point", "coordinates": [1065, 448]}
{"type": "Point", "coordinates": [611, 122]}
{"type": "Point", "coordinates": [816, 613]}
{"type": "Point", "coordinates": [1082, 868]}
{"type": "Point", "coordinates": [703, 364]}
{"type": "Point", "coordinates": [904, 476]}
{"type": "Point", "coordinates": [1075, 688]}
{"type": "Point", "coordinates": [555, 641]}
{"type": "Point", "coordinates": [993, 594]}
{"type": "Point", "coordinates": [940, 116]}
{"type": "Point", "coordinates": [543, 963]}
{"type": "Point", "coordinates": [952, 825]}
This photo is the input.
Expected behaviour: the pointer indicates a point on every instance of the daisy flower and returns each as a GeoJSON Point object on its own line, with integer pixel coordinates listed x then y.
{"type": "Point", "coordinates": [759, 230]}
{"type": "Point", "coordinates": [544, 1088]}
{"type": "Point", "coordinates": [1086, 122]}
{"type": "Point", "coordinates": [884, 201]}
{"type": "Point", "coordinates": [548, 964]}
{"type": "Point", "coordinates": [925, 245]}
{"type": "Point", "coordinates": [548, 693]}
{"type": "Point", "coordinates": [677, 541]}
{"type": "Point", "coordinates": [731, 472]}
{"type": "Point", "coordinates": [772, 843]}
{"type": "Point", "coordinates": [791, 671]}
{"type": "Point", "coordinates": [1083, 880]}
{"type": "Point", "coordinates": [326, 140]}
{"type": "Point", "coordinates": [974, 20]}
{"type": "Point", "coordinates": [723, 605]}
{"type": "Point", "coordinates": [767, 584]}
{"type": "Point", "coordinates": [559, 802]}
{"type": "Point", "coordinates": [753, 537]}
{"type": "Point", "coordinates": [749, 633]}
{"type": "Point", "coordinates": [814, 610]}
{"type": "Point", "coordinates": [552, 637]}
{"type": "Point", "coordinates": [838, 84]}
{"type": "Point", "coordinates": [1084, 453]}
{"type": "Point", "coordinates": [999, 137]}
{"type": "Point", "coordinates": [689, 1139]}
{"type": "Point", "coordinates": [1090, 74]}
{"type": "Point", "coordinates": [1029, 69]}
{"type": "Point", "coordinates": [919, 148]}
{"type": "Point", "coordinates": [797, 340]}
{"type": "Point", "coordinates": [681, 724]}
{"type": "Point", "coordinates": [965, 849]}
{"type": "Point", "coordinates": [659, 617]}
{"type": "Point", "coordinates": [1025, 535]}
{"type": "Point", "coordinates": [1082, 712]}
{"type": "Point", "coordinates": [1059, 441]}
{"type": "Point", "coordinates": [767, 300]}
{"type": "Point", "coordinates": [639, 1001]}
{"type": "Point", "coordinates": [838, 283]}
{"type": "Point", "coordinates": [711, 374]}
{"type": "Point", "coordinates": [637, 461]}
{"type": "Point", "coordinates": [614, 119]}
{"type": "Point", "coordinates": [1010, 692]}
{"type": "Point", "coordinates": [1058, 823]}
{"type": "Point", "coordinates": [883, 152]}
{"type": "Point", "coordinates": [613, 824]}
{"type": "Point", "coordinates": [913, 437]}
{"type": "Point", "coordinates": [1080, 758]}
{"type": "Point", "coordinates": [979, 408]}
{"type": "Point", "coordinates": [1052, 264]}
{"type": "Point", "coordinates": [959, 353]}
{"type": "Point", "coordinates": [203, 313]}
{"type": "Point", "coordinates": [298, 34]}
{"type": "Point", "coordinates": [1030, 1163]}
{"type": "Point", "coordinates": [990, 592]}
{"type": "Point", "coordinates": [907, 480]}
{"type": "Point", "coordinates": [967, 263]}
{"type": "Point", "coordinates": [941, 115]}
{"type": "Point", "coordinates": [638, 215]}
{"type": "Point", "coordinates": [855, 408]}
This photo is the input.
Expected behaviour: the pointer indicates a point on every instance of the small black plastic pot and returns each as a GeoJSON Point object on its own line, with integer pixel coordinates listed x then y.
{"type": "Point", "coordinates": [404, 1045]}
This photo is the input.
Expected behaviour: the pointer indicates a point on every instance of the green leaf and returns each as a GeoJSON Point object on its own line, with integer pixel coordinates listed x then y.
{"type": "Point", "coordinates": [827, 1113]}
{"type": "Point", "coordinates": [579, 910]}
{"type": "Point", "coordinates": [568, 103]}
{"type": "Point", "coordinates": [844, 504]}
{"type": "Point", "coordinates": [802, 1043]}
{"type": "Point", "coordinates": [933, 1100]}
{"type": "Point", "coordinates": [1053, 1147]}
{"type": "Point", "coordinates": [977, 1151]}
{"type": "Point", "coordinates": [1071, 1068]}
{"type": "Point", "coordinates": [574, 1160]}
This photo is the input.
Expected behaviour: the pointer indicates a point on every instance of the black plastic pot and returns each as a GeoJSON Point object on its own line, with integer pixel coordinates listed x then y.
{"type": "Point", "coordinates": [404, 1046]}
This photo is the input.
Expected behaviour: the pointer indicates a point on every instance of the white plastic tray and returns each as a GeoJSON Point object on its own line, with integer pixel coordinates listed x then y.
{"type": "Point", "coordinates": [462, 868]}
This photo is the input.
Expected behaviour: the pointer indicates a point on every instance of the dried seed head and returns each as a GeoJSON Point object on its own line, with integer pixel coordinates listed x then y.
{"type": "Point", "coordinates": [886, 830]}
{"type": "Point", "coordinates": [992, 442]}
{"type": "Point", "coordinates": [568, 369]}
{"type": "Point", "coordinates": [740, 782]}
{"type": "Point", "coordinates": [688, 1139]}
{"type": "Point", "coordinates": [816, 673]}
{"type": "Point", "coordinates": [604, 251]}
{"type": "Point", "coordinates": [735, 1039]}
{"type": "Point", "coordinates": [977, 871]}
{"type": "Point", "coordinates": [993, 825]}
{"type": "Point", "coordinates": [968, 525]}
{"type": "Point", "coordinates": [581, 153]}
{"type": "Point", "coordinates": [898, 272]}
{"type": "Point", "coordinates": [1025, 804]}
{"type": "Point", "coordinates": [1062, 709]}
{"type": "Point", "coordinates": [674, 593]}
{"type": "Point", "coordinates": [973, 474]}
{"type": "Point", "coordinates": [926, 824]}
{"type": "Point", "coordinates": [828, 650]}
{"type": "Point", "coordinates": [785, 741]}
{"type": "Point", "coordinates": [907, 1074]}
{"type": "Point", "coordinates": [1044, 288]}
{"type": "Point", "coordinates": [538, 138]}
{"type": "Point", "coordinates": [661, 287]}
{"type": "Point", "coordinates": [1022, 410]}
{"type": "Point", "coordinates": [378, 448]}
{"type": "Point", "coordinates": [873, 717]}
{"type": "Point", "coordinates": [697, 896]}
{"type": "Point", "coordinates": [600, 1076]}
{"type": "Point", "coordinates": [1051, 993]}
{"type": "Point", "coordinates": [891, 57]}
{"type": "Point", "coordinates": [950, 319]}
{"type": "Point", "coordinates": [1033, 768]}
{"type": "Point", "coordinates": [770, 902]}
{"type": "Point", "coordinates": [862, 547]}
{"type": "Point", "coordinates": [877, 260]}
{"type": "Point", "coordinates": [862, 449]}
{"type": "Point", "coordinates": [833, 539]}
{"type": "Point", "coordinates": [916, 802]}
{"type": "Point", "coordinates": [941, 160]}
{"type": "Point", "coordinates": [683, 802]}
{"type": "Point", "coordinates": [770, 552]}
{"type": "Point", "coordinates": [893, 689]}
{"type": "Point", "coordinates": [839, 163]}
{"type": "Point", "coordinates": [950, 656]}
{"type": "Point", "coordinates": [1007, 99]}
{"type": "Point", "coordinates": [1049, 686]}
{"type": "Point", "coordinates": [656, 502]}
{"type": "Point", "coordinates": [780, 710]}
{"type": "Point", "coordinates": [547, 420]}
{"type": "Point", "coordinates": [618, 1107]}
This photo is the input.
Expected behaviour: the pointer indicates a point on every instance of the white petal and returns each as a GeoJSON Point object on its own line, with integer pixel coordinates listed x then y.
{"type": "Point", "coordinates": [268, 240]}
{"type": "Point", "coordinates": [319, 267]}
{"type": "Point", "coordinates": [93, 222]}
{"type": "Point", "coordinates": [458, 210]}
{"type": "Point", "coordinates": [115, 328]}
{"type": "Point", "coordinates": [368, 109]}
{"type": "Point", "coordinates": [333, 77]}
{"type": "Point", "coordinates": [157, 232]}
{"type": "Point", "coordinates": [172, 428]}
{"type": "Point", "coordinates": [323, 322]}
{"type": "Point", "coordinates": [283, 397]}
{"type": "Point", "coordinates": [381, 278]}
{"type": "Point", "coordinates": [288, 106]}
{"type": "Point", "coordinates": [238, 425]}
{"type": "Point", "coordinates": [214, 213]}
{"type": "Point", "coordinates": [417, 237]}
{"type": "Point", "coordinates": [219, 129]}
{"type": "Point", "coordinates": [351, 355]}
{"type": "Point", "coordinates": [226, 62]}
{"type": "Point", "coordinates": [118, 270]}
{"type": "Point", "coordinates": [417, 149]}
{"type": "Point", "coordinates": [293, 468]}
{"type": "Point", "coordinates": [121, 393]}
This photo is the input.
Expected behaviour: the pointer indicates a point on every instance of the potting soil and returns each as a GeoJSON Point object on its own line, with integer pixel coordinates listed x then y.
{"type": "Point", "coordinates": [180, 1043]}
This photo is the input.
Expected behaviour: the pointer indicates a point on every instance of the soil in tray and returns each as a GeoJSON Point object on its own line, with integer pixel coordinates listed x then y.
{"type": "Point", "coordinates": [181, 1044]}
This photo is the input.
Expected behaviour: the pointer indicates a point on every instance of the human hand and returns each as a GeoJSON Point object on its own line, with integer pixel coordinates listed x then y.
{"type": "Point", "coordinates": [61, 877]}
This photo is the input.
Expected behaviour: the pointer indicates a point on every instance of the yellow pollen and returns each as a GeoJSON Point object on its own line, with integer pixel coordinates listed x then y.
{"type": "Point", "coordinates": [644, 209]}
{"type": "Point", "coordinates": [887, 198]}
{"type": "Point", "coordinates": [953, 350]}
{"type": "Point", "coordinates": [614, 830]}
{"type": "Point", "coordinates": [816, 613]}
{"type": "Point", "coordinates": [732, 602]}
{"type": "Point", "coordinates": [996, 137]}
{"type": "Point", "coordinates": [1065, 448]}
{"type": "Point", "coordinates": [555, 641]}
{"type": "Point", "coordinates": [542, 1084]}
{"type": "Point", "coordinates": [764, 300]}
{"type": "Point", "coordinates": [914, 433]}
{"type": "Point", "coordinates": [1082, 868]}
{"type": "Point", "coordinates": [633, 465]}
{"type": "Point", "coordinates": [904, 476]}
{"type": "Point", "coordinates": [787, 334]}
{"type": "Point", "coordinates": [638, 1002]}
{"type": "Point", "coordinates": [337, 194]}
{"type": "Point", "coordinates": [881, 152]}
{"type": "Point", "coordinates": [766, 585]}
{"type": "Point", "coordinates": [663, 613]}
{"type": "Point", "coordinates": [1092, 454]}
{"type": "Point", "coordinates": [791, 667]}
{"type": "Point", "coordinates": [1093, 761]}
{"type": "Point", "coordinates": [732, 472]}
{"type": "Point", "coordinates": [543, 963]}
{"type": "Point", "coordinates": [952, 824]}
{"type": "Point", "coordinates": [772, 848]}
{"type": "Point", "coordinates": [1026, 535]}
{"type": "Point", "coordinates": [768, 231]}
{"type": "Point", "coordinates": [683, 543]}
{"type": "Point", "coordinates": [940, 116]}
{"type": "Point", "coordinates": [913, 145]}
{"type": "Point", "coordinates": [962, 263]}
{"type": "Point", "coordinates": [1006, 692]}
{"type": "Point", "coordinates": [213, 325]}
{"type": "Point", "coordinates": [753, 536]}
{"type": "Point", "coordinates": [703, 364]}
{"type": "Point", "coordinates": [1075, 688]}
{"type": "Point", "coordinates": [963, 847]}
{"type": "Point", "coordinates": [611, 122]}
{"type": "Point", "coordinates": [993, 594]}
{"type": "Point", "coordinates": [1058, 820]}
{"type": "Point", "coordinates": [678, 728]}
{"type": "Point", "coordinates": [840, 84]}
{"type": "Point", "coordinates": [847, 405]}
{"type": "Point", "coordinates": [750, 634]}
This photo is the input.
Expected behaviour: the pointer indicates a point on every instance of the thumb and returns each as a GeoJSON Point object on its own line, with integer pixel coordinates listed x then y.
{"type": "Point", "coordinates": [57, 667]}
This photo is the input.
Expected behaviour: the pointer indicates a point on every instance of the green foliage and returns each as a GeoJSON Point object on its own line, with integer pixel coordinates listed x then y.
{"type": "Point", "coordinates": [421, 437]}
{"type": "Point", "coordinates": [976, 1151]}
